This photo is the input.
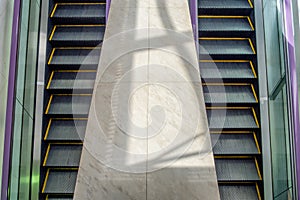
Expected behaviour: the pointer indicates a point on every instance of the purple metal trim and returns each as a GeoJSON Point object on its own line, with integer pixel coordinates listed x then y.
{"type": "Point", "coordinates": [194, 18]}
{"type": "Point", "coordinates": [107, 8]}
{"type": "Point", "coordinates": [10, 100]}
{"type": "Point", "coordinates": [294, 86]}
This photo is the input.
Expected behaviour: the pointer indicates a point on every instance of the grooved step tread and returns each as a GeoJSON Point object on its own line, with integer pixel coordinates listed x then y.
{"type": "Point", "coordinates": [225, 47]}
{"type": "Point", "coordinates": [70, 104]}
{"type": "Point", "coordinates": [78, 57]}
{"type": "Point", "coordinates": [72, 80]}
{"type": "Point", "coordinates": [60, 155]}
{"type": "Point", "coordinates": [61, 182]}
{"type": "Point", "coordinates": [231, 118]}
{"type": "Point", "coordinates": [66, 130]}
{"type": "Point", "coordinates": [78, 11]}
{"type": "Point", "coordinates": [236, 170]}
{"type": "Point", "coordinates": [223, 70]}
{"type": "Point", "coordinates": [224, 24]}
{"type": "Point", "coordinates": [234, 144]}
{"type": "Point", "coordinates": [238, 192]}
{"type": "Point", "coordinates": [228, 94]}
{"type": "Point", "coordinates": [233, 4]}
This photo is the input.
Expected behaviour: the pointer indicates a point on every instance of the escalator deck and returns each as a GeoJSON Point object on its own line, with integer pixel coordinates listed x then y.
{"type": "Point", "coordinates": [74, 37]}
{"type": "Point", "coordinates": [228, 68]}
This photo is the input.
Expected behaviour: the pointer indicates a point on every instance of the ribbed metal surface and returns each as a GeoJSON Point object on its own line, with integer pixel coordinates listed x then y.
{"type": "Point", "coordinates": [79, 11]}
{"type": "Point", "coordinates": [61, 182]}
{"type": "Point", "coordinates": [56, 198]}
{"type": "Point", "coordinates": [64, 155]}
{"type": "Point", "coordinates": [236, 170]}
{"type": "Point", "coordinates": [238, 192]}
{"type": "Point", "coordinates": [79, 57]}
{"type": "Point", "coordinates": [73, 80]}
{"type": "Point", "coordinates": [70, 104]}
{"type": "Point", "coordinates": [224, 24]}
{"type": "Point", "coordinates": [229, 70]}
{"type": "Point", "coordinates": [234, 144]}
{"type": "Point", "coordinates": [78, 35]}
{"type": "Point", "coordinates": [225, 47]}
{"type": "Point", "coordinates": [228, 94]}
{"type": "Point", "coordinates": [232, 118]}
{"type": "Point", "coordinates": [224, 4]}
{"type": "Point", "coordinates": [70, 130]}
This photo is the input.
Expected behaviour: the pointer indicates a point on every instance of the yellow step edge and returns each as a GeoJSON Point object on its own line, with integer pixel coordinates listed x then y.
{"type": "Point", "coordinates": [255, 117]}
{"type": "Point", "coordinates": [45, 181]}
{"type": "Point", "coordinates": [250, 3]}
{"type": "Point", "coordinates": [254, 93]}
{"type": "Point", "coordinates": [46, 155]}
{"type": "Point", "coordinates": [48, 129]}
{"type": "Point", "coordinates": [257, 191]}
{"type": "Point", "coordinates": [49, 104]}
{"type": "Point", "coordinates": [50, 80]}
{"type": "Point", "coordinates": [256, 142]}
{"type": "Point", "coordinates": [237, 182]}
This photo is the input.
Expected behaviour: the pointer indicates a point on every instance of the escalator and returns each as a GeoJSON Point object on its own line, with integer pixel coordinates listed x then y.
{"type": "Point", "coordinates": [228, 65]}
{"type": "Point", "coordinates": [76, 29]}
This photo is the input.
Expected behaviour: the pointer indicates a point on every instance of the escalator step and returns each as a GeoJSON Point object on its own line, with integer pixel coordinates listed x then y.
{"type": "Point", "coordinates": [228, 93]}
{"type": "Point", "coordinates": [233, 4]}
{"type": "Point", "coordinates": [224, 24]}
{"type": "Point", "coordinates": [60, 182]}
{"type": "Point", "coordinates": [59, 198]}
{"type": "Point", "coordinates": [66, 130]}
{"type": "Point", "coordinates": [238, 169]}
{"type": "Point", "coordinates": [79, 1]}
{"type": "Point", "coordinates": [226, 46]}
{"type": "Point", "coordinates": [62, 80]}
{"type": "Point", "coordinates": [226, 70]}
{"type": "Point", "coordinates": [231, 118]}
{"type": "Point", "coordinates": [69, 105]}
{"type": "Point", "coordinates": [77, 36]}
{"type": "Point", "coordinates": [74, 58]}
{"type": "Point", "coordinates": [234, 144]}
{"type": "Point", "coordinates": [238, 192]}
{"type": "Point", "coordinates": [79, 13]}
{"type": "Point", "coordinates": [61, 155]}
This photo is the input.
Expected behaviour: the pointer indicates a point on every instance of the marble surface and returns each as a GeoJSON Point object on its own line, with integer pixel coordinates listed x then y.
{"type": "Point", "coordinates": [147, 135]}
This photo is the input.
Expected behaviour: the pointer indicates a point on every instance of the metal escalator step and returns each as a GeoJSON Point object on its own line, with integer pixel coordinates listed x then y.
{"type": "Point", "coordinates": [225, 26]}
{"type": "Point", "coordinates": [226, 70]}
{"type": "Point", "coordinates": [79, 1]}
{"type": "Point", "coordinates": [69, 80]}
{"type": "Point", "coordinates": [238, 192]}
{"type": "Point", "coordinates": [65, 58]}
{"type": "Point", "coordinates": [66, 130]}
{"type": "Point", "coordinates": [226, 46]}
{"type": "Point", "coordinates": [60, 182]}
{"type": "Point", "coordinates": [77, 35]}
{"type": "Point", "coordinates": [62, 155]}
{"type": "Point", "coordinates": [215, 23]}
{"type": "Point", "coordinates": [234, 144]}
{"type": "Point", "coordinates": [239, 118]}
{"type": "Point", "coordinates": [234, 4]}
{"type": "Point", "coordinates": [76, 13]}
{"type": "Point", "coordinates": [69, 104]}
{"type": "Point", "coordinates": [229, 93]}
{"type": "Point", "coordinates": [59, 198]}
{"type": "Point", "coordinates": [238, 169]}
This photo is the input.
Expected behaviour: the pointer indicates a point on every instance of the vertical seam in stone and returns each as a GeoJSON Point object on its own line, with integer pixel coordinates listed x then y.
{"type": "Point", "coordinates": [147, 115]}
